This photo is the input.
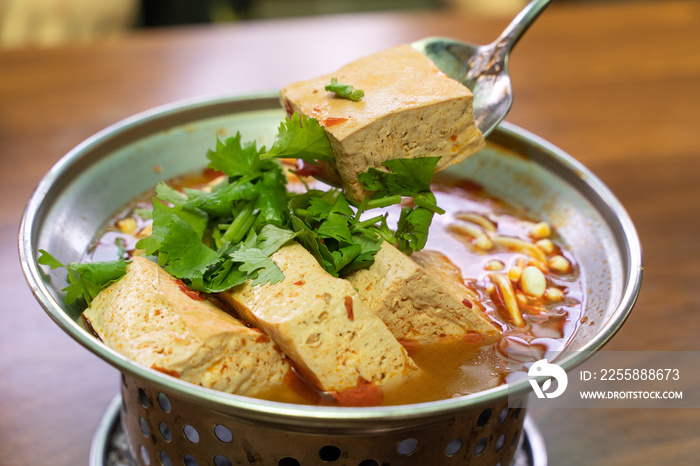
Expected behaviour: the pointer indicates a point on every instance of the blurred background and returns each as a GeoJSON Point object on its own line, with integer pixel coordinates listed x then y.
{"type": "Point", "coordinates": [46, 23]}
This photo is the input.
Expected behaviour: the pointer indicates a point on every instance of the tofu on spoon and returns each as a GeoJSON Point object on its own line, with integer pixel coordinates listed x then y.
{"type": "Point", "coordinates": [410, 109]}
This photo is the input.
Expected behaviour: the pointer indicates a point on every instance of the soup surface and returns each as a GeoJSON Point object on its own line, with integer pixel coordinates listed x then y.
{"type": "Point", "coordinates": [497, 249]}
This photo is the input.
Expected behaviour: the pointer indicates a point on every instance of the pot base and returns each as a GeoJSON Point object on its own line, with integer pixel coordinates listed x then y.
{"type": "Point", "coordinates": [110, 446]}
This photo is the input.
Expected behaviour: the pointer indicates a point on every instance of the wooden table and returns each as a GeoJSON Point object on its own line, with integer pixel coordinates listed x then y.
{"type": "Point", "coordinates": [616, 85]}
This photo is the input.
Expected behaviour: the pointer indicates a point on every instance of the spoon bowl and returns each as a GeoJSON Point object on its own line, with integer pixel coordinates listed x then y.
{"type": "Point", "coordinates": [483, 68]}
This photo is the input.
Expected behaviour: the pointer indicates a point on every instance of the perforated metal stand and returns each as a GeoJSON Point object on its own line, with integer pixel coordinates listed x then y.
{"type": "Point", "coordinates": [111, 448]}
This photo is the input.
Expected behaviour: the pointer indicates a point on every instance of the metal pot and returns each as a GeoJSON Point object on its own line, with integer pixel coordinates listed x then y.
{"type": "Point", "coordinates": [174, 422]}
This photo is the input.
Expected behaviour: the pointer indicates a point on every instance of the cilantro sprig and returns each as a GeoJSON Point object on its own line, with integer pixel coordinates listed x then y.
{"type": "Point", "coordinates": [406, 178]}
{"type": "Point", "coordinates": [86, 279]}
{"type": "Point", "coordinates": [300, 137]}
{"type": "Point", "coordinates": [331, 230]}
{"type": "Point", "coordinates": [215, 240]}
{"type": "Point", "coordinates": [219, 238]}
{"type": "Point", "coordinates": [346, 91]}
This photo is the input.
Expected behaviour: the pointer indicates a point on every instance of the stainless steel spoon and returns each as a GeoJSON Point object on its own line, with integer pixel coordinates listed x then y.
{"type": "Point", "coordinates": [483, 68]}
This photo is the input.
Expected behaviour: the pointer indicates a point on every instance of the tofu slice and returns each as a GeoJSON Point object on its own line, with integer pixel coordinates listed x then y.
{"type": "Point", "coordinates": [150, 317]}
{"type": "Point", "coordinates": [322, 325]}
{"type": "Point", "coordinates": [410, 109]}
{"type": "Point", "coordinates": [420, 298]}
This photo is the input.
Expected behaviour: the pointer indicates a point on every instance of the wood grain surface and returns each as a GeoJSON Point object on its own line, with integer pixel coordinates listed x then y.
{"type": "Point", "coordinates": [617, 85]}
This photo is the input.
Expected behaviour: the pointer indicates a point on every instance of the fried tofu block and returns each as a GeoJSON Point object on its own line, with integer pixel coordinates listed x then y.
{"type": "Point", "coordinates": [420, 298]}
{"type": "Point", "coordinates": [410, 109]}
{"type": "Point", "coordinates": [322, 325]}
{"type": "Point", "coordinates": [152, 318]}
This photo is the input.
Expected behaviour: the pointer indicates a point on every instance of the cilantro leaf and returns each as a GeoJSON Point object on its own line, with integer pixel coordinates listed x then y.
{"type": "Point", "coordinates": [47, 259]}
{"type": "Point", "coordinates": [271, 238]}
{"type": "Point", "coordinates": [337, 227]}
{"type": "Point", "coordinates": [300, 137]}
{"type": "Point", "coordinates": [257, 264]}
{"type": "Point", "coordinates": [319, 208]}
{"type": "Point", "coordinates": [225, 276]}
{"type": "Point", "coordinates": [369, 244]}
{"type": "Point", "coordinates": [334, 219]}
{"type": "Point", "coordinates": [408, 177]}
{"type": "Point", "coordinates": [413, 225]}
{"type": "Point", "coordinates": [341, 205]}
{"type": "Point", "coordinates": [324, 203]}
{"type": "Point", "coordinates": [186, 255]}
{"type": "Point", "coordinates": [234, 159]}
{"type": "Point", "coordinates": [86, 279]}
{"type": "Point", "coordinates": [254, 196]}
{"type": "Point", "coordinates": [230, 272]}
{"type": "Point", "coordinates": [171, 195]}
{"type": "Point", "coordinates": [343, 256]}
{"type": "Point", "coordinates": [218, 203]}
{"type": "Point", "coordinates": [330, 229]}
{"type": "Point", "coordinates": [314, 244]}
{"type": "Point", "coordinates": [345, 90]}
{"type": "Point", "coordinates": [162, 217]}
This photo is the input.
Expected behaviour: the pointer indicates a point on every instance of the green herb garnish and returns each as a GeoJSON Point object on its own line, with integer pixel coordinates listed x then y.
{"type": "Point", "coordinates": [345, 90]}
{"type": "Point", "coordinates": [215, 240]}
{"type": "Point", "coordinates": [411, 178]}
{"type": "Point", "coordinates": [331, 230]}
{"type": "Point", "coordinates": [300, 137]}
{"type": "Point", "coordinates": [86, 279]}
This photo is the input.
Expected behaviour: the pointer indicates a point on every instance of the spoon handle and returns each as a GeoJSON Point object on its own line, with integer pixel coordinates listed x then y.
{"type": "Point", "coordinates": [511, 34]}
